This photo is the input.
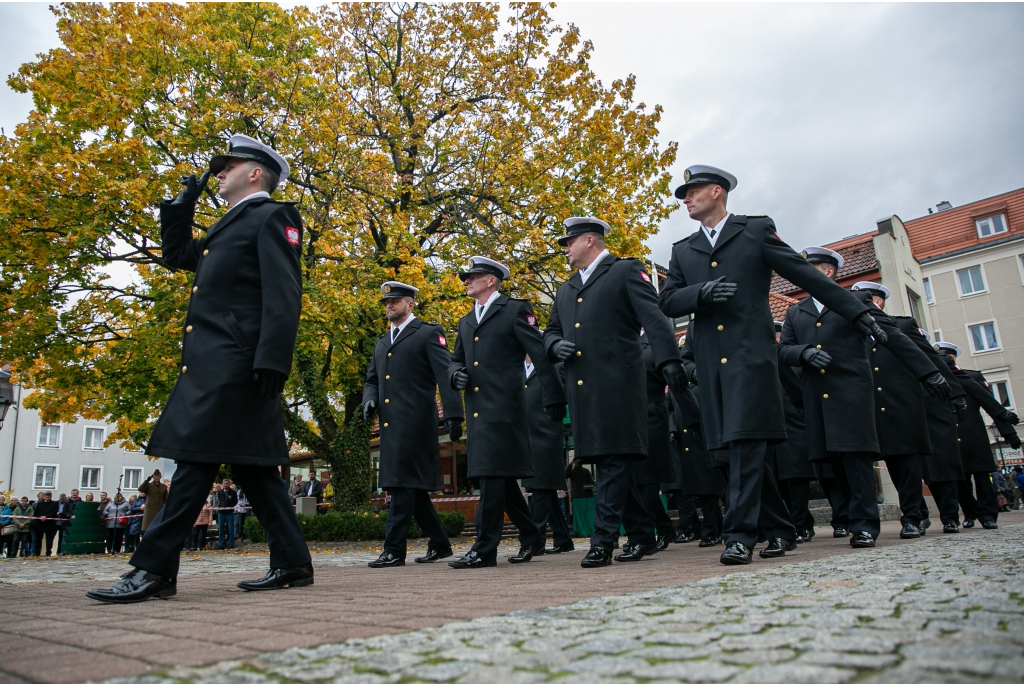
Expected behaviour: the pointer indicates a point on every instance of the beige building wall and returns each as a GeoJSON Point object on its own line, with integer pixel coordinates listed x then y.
{"type": "Point", "coordinates": [900, 272]}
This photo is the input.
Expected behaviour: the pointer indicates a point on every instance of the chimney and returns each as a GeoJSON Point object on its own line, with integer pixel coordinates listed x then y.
{"type": "Point", "coordinates": [884, 225]}
{"type": "Point", "coordinates": [943, 206]}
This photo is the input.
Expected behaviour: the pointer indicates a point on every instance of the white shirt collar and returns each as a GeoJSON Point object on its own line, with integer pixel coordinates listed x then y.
{"type": "Point", "coordinates": [258, 193]}
{"type": "Point", "coordinates": [714, 233]}
{"type": "Point", "coordinates": [529, 368]}
{"type": "Point", "coordinates": [817, 304]}
{"type": "Point", "coordinates": [481, 310]}
{"type": "Point", "coordinates": [585, 273]}
{"type": "Point", "coordinates": [397, 330]}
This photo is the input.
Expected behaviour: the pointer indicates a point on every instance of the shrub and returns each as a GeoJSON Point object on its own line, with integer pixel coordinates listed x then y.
{"type": "Point", "coordinates": [335, 526]}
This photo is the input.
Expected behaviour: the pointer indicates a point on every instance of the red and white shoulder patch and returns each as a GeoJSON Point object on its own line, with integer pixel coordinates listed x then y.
{"type": "Point", "coordinates": [643, 275]}
{"type": "Point", "coordinates": [441, 340]}
{"type": "Point", "coordinates": [292, 234]}
{"type": "Point", "coordinates": [531, 319]}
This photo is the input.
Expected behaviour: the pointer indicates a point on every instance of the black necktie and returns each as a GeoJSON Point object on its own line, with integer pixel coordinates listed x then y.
{"type": "Point", "coordinates": [712, 233]}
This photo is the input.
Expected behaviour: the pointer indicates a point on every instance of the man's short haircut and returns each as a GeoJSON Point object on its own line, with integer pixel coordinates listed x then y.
{"type": "Point", "coordinates": [269, 179]}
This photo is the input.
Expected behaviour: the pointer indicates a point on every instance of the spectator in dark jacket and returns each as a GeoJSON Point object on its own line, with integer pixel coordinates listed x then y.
{"type": "Point", "coordinates": [136, 506]}
{"type": "Point", "coordinates": [6, 528]}
{"type": "Point", "coordinates": [22, 523]}
{"type": "Point", "coordinates": [64, 516]}
{"type": "Point", "coordinates": [1018, 477]}
{"type": "Point", "coordinates": [225, 501]}
{"type": "Point", "coordinates": [46, 525]}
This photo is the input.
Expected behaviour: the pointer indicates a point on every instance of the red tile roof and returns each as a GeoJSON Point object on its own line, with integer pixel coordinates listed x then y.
{"type": "Point", "coordinates": [779, 304]}
{"type": "Point", "coordinates": [954, 230]}
{"type": "Point", "coordinates": [858, 253]}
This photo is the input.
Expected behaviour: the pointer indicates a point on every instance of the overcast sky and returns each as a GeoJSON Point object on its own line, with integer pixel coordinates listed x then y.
{"type": "Point", "coordinates": [830, 115]}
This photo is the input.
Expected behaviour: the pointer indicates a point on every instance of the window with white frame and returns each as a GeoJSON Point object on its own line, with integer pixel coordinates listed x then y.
{"type": "Point", "coordinates": [45, 476]}
{"type": "Point", "coordinates": [928, 291]}
{"type": "Point", "coordinates": [991, 225]}
{"type": "Point", "coordinates": [983, 337]}
{"type": "Point", "coordinates": [92, 477]}
{"type": "Point", "coordinates": [936, 336]}
{"type": "Point", "coordinates": [132, 478]}
{"type": "Point", "coordinates": [1001, 391]}
{"type": "Point", "coordinates": [94, 436]}
{"type": "Point", "coordinates": [49, 435]}
{"type": "Point", "coordinates": [971, 280]}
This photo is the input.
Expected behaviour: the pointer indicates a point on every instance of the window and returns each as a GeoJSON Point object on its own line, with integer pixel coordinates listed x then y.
{"type": "Point", "coordinates": [1001, 391]}
{"type": "Point", "coordinates": [46, 477]}
{"type": "Point", "coordinates": [928, 289]}
{"type": "Point", "coordinates": [132, 478]}
{"type": "Point", "coordinates": [93, 438]}
{"type": "Point", "coordinates": [49, 436]}
{"type": "Point", "coordinates": [916, 310]}
{"type": "Point", "coordinates": [971, 280]}
{"type": "Point", "coordinates": [936, 336]}
{"type": "Point", "coordinates": [991, 225]}
{"type": "Point", "coordinates": [91, 477]}
{"type": "Point", "coordinates": [983, 337]}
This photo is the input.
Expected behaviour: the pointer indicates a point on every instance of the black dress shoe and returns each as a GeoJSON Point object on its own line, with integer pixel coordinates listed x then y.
{"type": "Point", "coordinates": [862, 538]}
{"type": "Point", "coordinates": [925, 525]}
{"type": "Point", "coordinates": [910, 531]}
{"type": "Point", "coordinates": [989, 525]}
{"type": "Point", "coordinates": [280, 578]}
{"type": "Point", "coordinates": [433, 555]}
{"type": "Point", "coordinates": [136, 586]}
{"type": "Point", "coordinates": [635, 552]}
{"type": "Point", "coordinates": [840, 532]}
{"type": "Point", "coordinates": [597, 556]}
{"type": "Point", "coordinates": [473, 560]}
{"type": "Point", "coordinates": [558, 549]}
{"type": "Point", "coordinates": [736, 554]}
{"type": "Point", "coordinates": [527, 553]}
{"type": "Point", "coordinates": [804, 536]}
{"type": "Point", "coordinates": [777, 547]}
{"type": "Point", "coordinates": [968, 523]}
{"type": "Point", "coordinates": [663, 542]}
{"type": "Point", "coordinates": [710, 541]}
{"type": "Point", "coordinates": [685, 537]}
{"type": "Point", "coordinates": [386, 560]}
{"type": "Point", "coordinates": [950, 527]}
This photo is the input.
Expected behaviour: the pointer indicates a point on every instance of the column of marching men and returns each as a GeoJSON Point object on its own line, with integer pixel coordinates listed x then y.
{"type": "Point", "coordinates": [736, 422]}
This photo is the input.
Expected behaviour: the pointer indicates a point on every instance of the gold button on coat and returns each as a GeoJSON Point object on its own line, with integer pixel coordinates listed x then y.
{"type": "Point", "coordinates": [577, 325]}
{"type": "Point", "coordinates": [684, 430]}
{"type": "Point", "coordinates": [188, 329]}
{"type": "Point", "coordinates": [721, 327]}
{"type": "Point", "coordinates": [206, 252]}
{"type": "Point", "coordinates": [579, 353]}
{"type": "Point", "coordinates": [817, 347]}
{"type": "Point", "coordinates": [476, 363]}
{"type": "Point", "coordinates": [687, 449]}
{"type": "Point", "coordinates": [478, 389]}
{"type": "Point", "coordinates": [389, 354]}
{"type": "Point", "coordinates": [195, 288]}
{"type": "Point", "coordinates": [579, 382]}
{"type": "Point", "coordinates": [714, 264]}
{"type": "Point", "coordinates": [872, 349]}
{"type": "Point", "coordinates": [387, 378]}
{"type": "Point", "coordinates": [387, 401]}
{"type": "Point", "coordinates": [476, 338]}
{"type": "Point", "coordinates": [823, 371]}
{"type": "Point", "coordinates": [724, 360]}
{"type": "Point", "coordinates": [184, 369]}
{"type": "Point", "coordinates": [818, 324]}
{"type": "Point", "coordinates": [579, 299]}
{"type": "Point", "coordinates": [385, 425]}
{"type": "Point", "coordinates": [876, 368]}
{"type": "Point", "coordinates": [825, 396]}
{"type": "Point", "coordinates": [475, 415]}
{"type": "Point", "coordinates": [883, 408]}
{"type": "Point", "coordinates": [879, 390]}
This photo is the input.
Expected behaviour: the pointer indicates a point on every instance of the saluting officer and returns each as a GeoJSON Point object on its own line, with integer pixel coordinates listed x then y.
{"type": "Point", "coordinates": [900, 414]}
{"type": "Point", "coordinates": [487, 364]}
{"type": "Point", "coordinates": [975, 451]}
{"type": "Point", "coordinates": [722, 273]}
{"type": "Point", "coordinates": [408, 368]}
{"type": "Point", "coordinates": [547, 442]}
{"type": "Point", "coordinates": [239, 336]}
{"type": "Point", "coordinates": [595, 329]}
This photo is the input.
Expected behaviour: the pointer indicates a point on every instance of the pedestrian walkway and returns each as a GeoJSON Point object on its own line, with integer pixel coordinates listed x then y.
{"type": "Point", "coordinates": [938, 609]}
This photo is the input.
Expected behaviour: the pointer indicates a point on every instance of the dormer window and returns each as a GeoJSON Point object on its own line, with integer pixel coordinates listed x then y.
{"type": "Point", "coordinates": [991, 225]}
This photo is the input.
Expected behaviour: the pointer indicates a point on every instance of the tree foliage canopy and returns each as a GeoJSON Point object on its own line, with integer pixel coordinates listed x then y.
{"type": "Point", "coordinates": [418, 135]}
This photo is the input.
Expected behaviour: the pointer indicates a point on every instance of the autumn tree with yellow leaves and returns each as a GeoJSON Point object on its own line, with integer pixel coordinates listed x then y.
{"type": "Point", "coordinates": [418, 135]}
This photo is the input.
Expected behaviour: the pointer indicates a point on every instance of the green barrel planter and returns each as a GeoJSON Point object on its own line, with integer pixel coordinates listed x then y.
{"type": "Point", "coordinates": [86, 534]}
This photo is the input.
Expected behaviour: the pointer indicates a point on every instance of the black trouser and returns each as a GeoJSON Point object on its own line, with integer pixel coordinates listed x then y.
{"type": "Point", "coordinates": [405, 504]}
{"type": "Point", "coordinates": [650, 497]}
{"type": "Point", "coordinates": [906, 473]}
{"type": "Point", "coordinates": [115, 539]}
{"type": "Point", "coordinates": [689, 521]}
{"type": "Point", "coordinates": [753, 501]}
{"type": "Point", "coordinates": [617, 504]}
{"type": "Point", "coordinates": [711, 516]}
{"type": "Point", "coordinates": [159, 551]}
{"type": "Point", "coordinates": [49, 532]}
{"type": "Point", "coordinates": [796, 493]}
{"type": "Point", "coordinates": [947, 499]}
{"type": "Point", "coordinates": [500, 495]}
{"type": "Point", "coordinates": [838, 496]}
{"type": "Point", "coordinates": [985, 507]}
{"type": "Point", "coordinates": [198, 540]}
{"type": "Point", "coordinates": [857, 471]}
{"type": "Point", "coordinates": [545, 510]}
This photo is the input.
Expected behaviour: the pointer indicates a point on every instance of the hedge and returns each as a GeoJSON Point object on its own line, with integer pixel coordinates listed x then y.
{"type": "Point", "coordinates": [336, 526]}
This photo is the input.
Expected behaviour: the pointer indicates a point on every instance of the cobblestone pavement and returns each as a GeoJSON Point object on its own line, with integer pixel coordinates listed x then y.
{"type": "Point", "coordinates": [945, 609]}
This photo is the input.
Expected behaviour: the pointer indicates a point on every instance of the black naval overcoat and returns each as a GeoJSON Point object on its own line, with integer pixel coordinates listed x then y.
{"type": "Point", "coordinates": [735, 344]}
{"type": "Point", "coordinates": [606, 382]}
{"type": "Point", "coordinates": [975, 442]}
{"type": "Point", "coordinates": [791, 455]}
{"type": "Point", "coordinates": [547, 438]}
{"type": "Point", "coordinates": [943, 462]}
{"type": "Point", "coordinates": [243, 314]}
{"type": "Point", "coordinates": [657, 468]}
{"type": "Point", "coordinates": [492, 353]}
{"type": "Point", "coordinates": [403, 379]}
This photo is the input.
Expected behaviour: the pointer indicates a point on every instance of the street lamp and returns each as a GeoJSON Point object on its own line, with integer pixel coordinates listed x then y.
{"type": "Point", "coordinates": [6, 398]}
{"type": "Point", "coordinates": [998, 438]}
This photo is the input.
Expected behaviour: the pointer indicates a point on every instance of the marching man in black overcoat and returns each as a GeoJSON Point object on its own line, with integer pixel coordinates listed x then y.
{"type": "Point", "coordinates": [237, 343]}
{"type": "Point", "coordinates": [595, 329]}
{"type": "Point", "coordinates": [722, 273]}
{"type": "Point", "coordinates": [487, 364]}
{"type": "Point", "coordinates": [409, 366]}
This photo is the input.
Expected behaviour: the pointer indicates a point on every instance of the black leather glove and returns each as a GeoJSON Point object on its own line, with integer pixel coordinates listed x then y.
{"type": "Point", "coordinates": [454, 428]}
{"type": "Point", "coordinates": [556, 412]}
{"type": "Point", "coordinates": [562, 350]}
{"type": "Point", "coordinates": [815, 358]}
{"type": "Point", "coordinates": [960, 406]}
{"type": "Point", "coordinates": [369, 406]}
{"type": "Point", "coordinates": [691, 373]}
{"type": "Point", "coordinates": [1010, 418]}
{"type": "Point", "coordinates": [270, 382]}
{"type": "Point", "coordinates": [675, 375]}
{"type": "Point", "coordinates": [715, 292]}
{"type": "Point", "coordinates": [867, 325]}
{"type": "Point", "coordinates": [193, 189]}
{"type": "Point", "coordinates": [937, 386]}
{"type": "Point", "coordinates": [1013, 440]}
{"type": "Point", "coordinates": [460, 379]}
